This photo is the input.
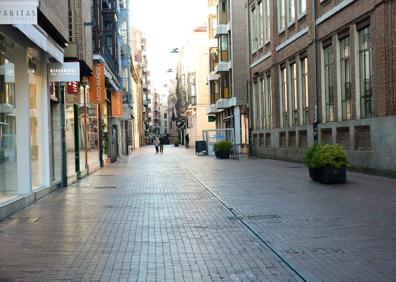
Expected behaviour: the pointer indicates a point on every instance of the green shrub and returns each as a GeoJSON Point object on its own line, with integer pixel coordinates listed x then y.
{"type": "Point", "coordinates": [325, 155]}
{"type": "Point", "coordinates": [223, 146]}
{"type": "Point", "coordinates": [177, 142]}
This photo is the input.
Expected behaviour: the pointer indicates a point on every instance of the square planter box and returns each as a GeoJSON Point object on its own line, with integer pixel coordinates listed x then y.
{"type": "Point", "coordinates": [328, 175]}
{"type": "Point", "coordinates": [222, 155]}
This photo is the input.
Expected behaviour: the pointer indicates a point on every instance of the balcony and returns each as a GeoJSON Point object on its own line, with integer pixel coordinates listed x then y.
{"type": "Point", "coordinates": [213, 76]}
{"type": "Point", "coordinates": [222, 67]}
{"type": "Point", "coordinates": [109, 59]}
{"type": "Point", "coordinates": [221, 29]}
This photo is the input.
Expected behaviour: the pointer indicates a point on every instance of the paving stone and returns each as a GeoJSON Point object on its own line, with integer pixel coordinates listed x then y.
{"type": "Point", "coordinates": [159, 223]}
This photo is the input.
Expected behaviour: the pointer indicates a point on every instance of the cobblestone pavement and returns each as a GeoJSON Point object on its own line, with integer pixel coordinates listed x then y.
{"type": "Point", "coordinates": [181, 217]}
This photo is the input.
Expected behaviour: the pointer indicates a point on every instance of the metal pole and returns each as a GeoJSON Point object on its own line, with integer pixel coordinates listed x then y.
{"type": "Point", "coordinates": [61, 94]}
{"type": "Point", "coordinates": [314, 71]}
{"type": "Point", "coordinates": [86, 131]}
{"type": "Point", "coordinates": [100, 135]}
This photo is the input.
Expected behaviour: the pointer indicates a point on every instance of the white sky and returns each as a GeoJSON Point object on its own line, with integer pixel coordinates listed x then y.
{"type": "Point", "coordinates": [167, 24]}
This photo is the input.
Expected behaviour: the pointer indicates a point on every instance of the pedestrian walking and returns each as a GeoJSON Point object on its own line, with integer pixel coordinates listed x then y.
{"type": "Point", "coordinates": [156, 143]}
{"type": "Point", "coordinates": [162, 142]}
{"type": "Point", "coordinates": [187, 141]}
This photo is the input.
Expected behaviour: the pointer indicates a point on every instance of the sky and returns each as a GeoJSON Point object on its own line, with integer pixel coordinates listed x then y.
{"type": "Point", "coordinates": [167, 25]}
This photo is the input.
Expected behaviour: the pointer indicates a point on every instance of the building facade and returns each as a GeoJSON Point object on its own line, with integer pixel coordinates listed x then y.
{"type": "Point", "coordinates": [193, 96]}
{"type": "Point", "coordinates": [139, 50]}
{"type": "Point", "coordinates": [27, 126]}
{"type": "Point", "coordinates": [323, 71]}
{"type": "Point", "coordinates": [229, 68]}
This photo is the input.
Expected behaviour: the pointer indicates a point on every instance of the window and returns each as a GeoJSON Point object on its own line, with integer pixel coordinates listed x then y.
{"type": "Point", "coordinates": [281, 15]}
{"type": "Point", "coordinates": [302, 7]}
{"type": "Point", "coordinates": [345, 73]}
{"type": "Point", "coordinates": [256, 105]}
{"type": "Point", "coordinates": [284, 99]}
{"type": "Point", "coordinates": [291, 12]}
{"type": "Point", "coordinates": [224, 48]}
{"type": "Point", "coordinates": [365, 73]}
{"type": "Point", "coordinates": [253, 29]}
{"type": "Point", "coordinates": [268, 102]}
{"type": "Point", "coordinates": [267, 21]}
{"type": "Point", "coordinates": [328, 83]}
{"type": "Point", "coordinates": [262, 103]}
{"type": "Point", "coordinates": [304, 89]}
{"type": "Point", "coordinates": [165, 115]}
{"type": "Point", "coordinates": [293, 94]}
{"type": "Point", "coordinates": [260, 24]}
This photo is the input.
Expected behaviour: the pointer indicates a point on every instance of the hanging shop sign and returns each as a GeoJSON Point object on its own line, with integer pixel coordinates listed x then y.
{"type": "Point", "coordinates": [97, 88]}
{"type": "Point", "coordinates": [73, 88]}
{"type": "Point", "coordinates": [18, 12]}
{"type": "Point", "coordinates": [64, 72]}
{"type": "Point", "coordinates": [117, 107]}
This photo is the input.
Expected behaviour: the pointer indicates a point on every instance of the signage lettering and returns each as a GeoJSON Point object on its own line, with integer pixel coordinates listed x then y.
{"type": "Point", "coordinates": [117, 107]}
{"type": "Point", "coordinates": [18, 13]}
{"type": "Point", "coordinates": [58, 72]}
{"type": "Point", "coordinates": [97, 90]}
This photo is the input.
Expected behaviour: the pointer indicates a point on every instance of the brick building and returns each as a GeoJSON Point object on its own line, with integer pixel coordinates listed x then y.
{"type": "Point", "coordinates": [343, 91]}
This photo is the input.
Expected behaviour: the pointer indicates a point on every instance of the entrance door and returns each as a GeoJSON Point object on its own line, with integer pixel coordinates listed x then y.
{"type": "Point", "coordinates": [114, 143]}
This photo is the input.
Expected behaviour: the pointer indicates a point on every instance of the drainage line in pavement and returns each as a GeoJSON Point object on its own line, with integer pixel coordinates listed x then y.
{"type": "Point", "coordinates": [246, 225]}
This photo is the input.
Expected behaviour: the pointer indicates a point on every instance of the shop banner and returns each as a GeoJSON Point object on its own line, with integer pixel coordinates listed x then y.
{"type": "Point", "coordinates": [97, 88]}
{"type": "Point", "coordinates": [64, 72]}
{"type": "Point", "coordinates": [18, 12]}
{"type": "Point", "coordinates": [117, 107]}
{"type": "Point", "coordinates": [73, 88]}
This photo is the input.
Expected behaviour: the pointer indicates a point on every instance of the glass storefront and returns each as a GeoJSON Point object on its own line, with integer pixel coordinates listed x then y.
{"type": "Point", "coordinates": [70, 100]}
{"type": "Point", "coordinates": [93, 137]}
{"type": "Point", "coordinates": [56, 136]}
{"type": "Point", "coordinates": [8, 153]}
{"type": "Point", "coordinates": [36, 112]}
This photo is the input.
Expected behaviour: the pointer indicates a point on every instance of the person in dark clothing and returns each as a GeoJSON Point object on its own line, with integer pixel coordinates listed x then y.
{"type": "Point", "coordinates": [162, 142]}
{"type": "Point", "coordinates": [187, 141]}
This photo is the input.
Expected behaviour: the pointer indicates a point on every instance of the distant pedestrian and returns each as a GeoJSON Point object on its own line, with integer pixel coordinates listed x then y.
{"type": "Point", "coordinates": [156, 143]}
{"type": "Point", "coordinates": [187, 141]}
{"type": "Point", "coordinates": [162, 142]}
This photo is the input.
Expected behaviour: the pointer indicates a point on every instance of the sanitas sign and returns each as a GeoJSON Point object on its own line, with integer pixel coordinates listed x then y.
{"type": "Point", "coordinates": [18, 12]}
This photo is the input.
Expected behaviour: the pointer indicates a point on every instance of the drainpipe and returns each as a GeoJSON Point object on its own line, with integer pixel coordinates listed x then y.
{"type": "Point", "coordinates": [314, 71]}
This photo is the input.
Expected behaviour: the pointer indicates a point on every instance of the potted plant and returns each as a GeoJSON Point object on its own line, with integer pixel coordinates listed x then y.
{"type": "Point", "coordinates": [177, 143]}
{"type": "Point", "coordinates": [223, 149]}
{"type": "Point", "coordinates": [327, 163]}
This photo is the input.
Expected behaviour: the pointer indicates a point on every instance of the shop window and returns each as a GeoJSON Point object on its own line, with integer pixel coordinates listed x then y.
{"type": "Point", "coordinates": [362, 138]}
{"type": "Point", "coordinates": [8, 152]}
{"type": "Point", "coordinates": [292, 139]}
{"type": "Point", "coordinates": [343, 137]}
{"type": "Point", "coordinates": [326, 136]}
{"type": "Point", "coordinates": [268, 142]}
{"type": "Point", "coordinates": [302, 139]}
{"type": "Point", "coordinates": [282, 140]}
{"type": "Point", "coordinates": [261, 139]}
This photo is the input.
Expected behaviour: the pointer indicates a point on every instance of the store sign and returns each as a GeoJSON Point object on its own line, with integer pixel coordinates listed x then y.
{"type": "Point", "coordinates": [73, 88]}
{"type": "Point", "coordinates": [97, 88]}
{"type": "Point", "coordinates": [211, 118]}
{"type": "Point", "coordinates": [64, 72]}
{"type": "Point", "coordinates": [18, 12]}
{"type": "Point", "coordinates": [8, 70]}
{"type": "Point", "coordinates": [117, 107]}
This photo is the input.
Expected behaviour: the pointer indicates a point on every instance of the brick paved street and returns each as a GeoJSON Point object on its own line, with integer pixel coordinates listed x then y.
{"type": "Point", "coordinates": [181, 217]}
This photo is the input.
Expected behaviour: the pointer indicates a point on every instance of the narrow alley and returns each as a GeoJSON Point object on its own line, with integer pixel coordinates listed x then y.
{"type": "Point", "coordinates": [182, 217]}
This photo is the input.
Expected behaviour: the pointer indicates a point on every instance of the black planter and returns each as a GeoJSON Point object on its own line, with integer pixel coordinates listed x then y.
{"type": "Point", "coordinates": [328, 175]}
{"type": "Point", "coordinates": [222, 154]}
{"type": "Point", "coordinates": [176, 145]}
